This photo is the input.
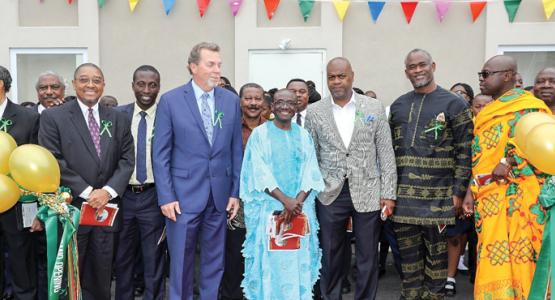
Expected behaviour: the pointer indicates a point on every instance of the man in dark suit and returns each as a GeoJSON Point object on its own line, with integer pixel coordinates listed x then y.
{"type": "Point", "coordinates": [22, 124]}
{"type": "Point", "coordinates": [139, 207]}
{"type": "Point", "coordinates": [50, 91]}
{"type": "Point", "coordinates": [94, 147]}
{"type": "Point", "coordinates": [198, 152]}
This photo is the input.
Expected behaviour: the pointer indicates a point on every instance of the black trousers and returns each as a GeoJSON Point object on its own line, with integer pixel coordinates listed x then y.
{"type": "Point", "coordinates": [366, 227]}
{"type": "Point", "coordinates": [234, 265]}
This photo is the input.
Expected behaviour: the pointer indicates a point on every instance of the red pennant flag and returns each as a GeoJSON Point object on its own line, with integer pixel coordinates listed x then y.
{"type": "Point", "coordinates": [271, 6]}
{"type": "Point", "coordinates": [69, 1]}
{"type": "Point", "coordinates": [202, 6]}
{"type": "Point", "coordinates": [408, 9]}
{"type": "Point", "coordinates": [476, 8]}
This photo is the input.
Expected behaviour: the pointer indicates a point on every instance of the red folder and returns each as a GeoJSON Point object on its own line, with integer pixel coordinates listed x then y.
{"type": "Point", "coordinates": [287, 236]}
{"type": "Point", "coordinates": [93, 217]}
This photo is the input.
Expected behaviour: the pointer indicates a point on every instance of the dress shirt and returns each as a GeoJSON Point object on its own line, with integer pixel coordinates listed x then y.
{"type": "Point", "coordinates": [198, 94]}
{"type": "Point", "coordinates": [3, 105]}
{"type": "Point", "coordinates": [85, 110]}
{"type": "Point", "coordinates": [345, 119]}
{"type": "Point", "coordinates": [150, 115]}
{"type": "Point", "coordinates": [303, 117]}
{"type": "Point", "coordinates": [41, 108]}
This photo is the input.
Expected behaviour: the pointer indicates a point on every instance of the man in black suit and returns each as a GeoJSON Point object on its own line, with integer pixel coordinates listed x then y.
{"type": "Point", "coordinates": [94, 147]}
{"type": "Point", "coordinates": [22, 124]}
{"type": "Point", "coordinates": [139, 207]}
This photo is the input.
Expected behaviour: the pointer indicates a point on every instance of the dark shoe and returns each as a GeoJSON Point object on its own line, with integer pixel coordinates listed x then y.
{"type": "Point", "coordinates": [7, 296]}
{"type": "Point", "coordinates": [450, 289]}
{"type": "Point", "coordinates": [345, 289]}
{"type": "Point", "coordinates": [139, 291]}
{"type": "Point", "coordinates": [381, 273]}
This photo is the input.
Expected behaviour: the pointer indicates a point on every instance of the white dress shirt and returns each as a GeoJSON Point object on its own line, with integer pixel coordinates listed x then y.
{"type": "Point", "coordinates": [345, 119]}
{"type": "Point", "coordinates": [149, 117]}
{"type": "Point", "coordinates": [85, 110]}
{"type": "Point", "coordinates": [41, 108]}
{"type": "Point", "coordinates": [3, 105]}
{"type": "Point", "coordinates": [198, 94]}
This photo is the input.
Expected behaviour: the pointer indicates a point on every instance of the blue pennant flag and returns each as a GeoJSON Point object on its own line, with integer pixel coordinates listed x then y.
{"type": "Point", "coordinates": [168, 5]}
{"type": "Point", "coordinates": [375, 9]}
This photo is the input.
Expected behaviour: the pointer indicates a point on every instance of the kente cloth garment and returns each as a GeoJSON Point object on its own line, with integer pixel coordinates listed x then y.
{"type": "Point", "coordinates": [509, 218]}
{"type": "Point", "coordinates": [432, 134]}
{"type": "Point", "coordinates": [277, 158]}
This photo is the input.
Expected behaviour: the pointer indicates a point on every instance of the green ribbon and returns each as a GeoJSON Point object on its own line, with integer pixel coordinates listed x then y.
{"type": "Point", "coordinates": [218, 120]}
{"type": "Point", "coordinates": [544, 275]}
{"type": "Point", "coordinates": [4, 124]}
{"type": "Point", "coordinates": [435, 129]}
{"type": "Point", "coordinates": [359, 116]}
{"type": "Point", "coordinates": [106, 125]}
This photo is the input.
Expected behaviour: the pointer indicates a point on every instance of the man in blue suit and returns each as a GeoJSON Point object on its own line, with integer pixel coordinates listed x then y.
{"type": "Point", "coordinates": [197, 153]}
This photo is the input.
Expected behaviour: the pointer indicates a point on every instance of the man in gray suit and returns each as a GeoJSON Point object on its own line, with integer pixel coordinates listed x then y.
{"type": "Point", "coordinates": [354, 150]}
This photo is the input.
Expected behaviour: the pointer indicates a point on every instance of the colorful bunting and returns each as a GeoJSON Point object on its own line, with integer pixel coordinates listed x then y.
{"type": "Point", "coordinates": [168, 5]}
{"type": "Point", "coordinates": [306, 8]}
{"type": "Point", "coordinates": [512, 7]}
{"type": "Point", "coordinates": [548, 7]}
{"type": "Point", "coordinates": [408, 9]}
{"type": "Point", "coordinates": [442, 7]}
{"type": "Point", "coordinates": [69, 1]}
{"type": "Point", "coordinates": [133, 4]}
{"type": "Point", "coordinates": [235, 5]}
{"type": "Point", "coordinates": [271, 6]}
{"type": "Point", "coordinates": [341, 7]}
{"type": "Point", "coordinates": [375, 9]}
{"type": "Point", "coordinates": [202, 6]}
{"type": "Point", "coordinates": [476, 8]}
{"type": "Point", "coordinates": [101, 3]}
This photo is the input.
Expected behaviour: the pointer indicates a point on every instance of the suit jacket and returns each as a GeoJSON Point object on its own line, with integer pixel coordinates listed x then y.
{"type": "Point", "coordinates": [25, 123]}
{"type": "Point", "coordinates": [64, 131]}
{"type": "Point", "coordinates": [186, 168]}
{"type": "Point", "coordinates": [368, 162]}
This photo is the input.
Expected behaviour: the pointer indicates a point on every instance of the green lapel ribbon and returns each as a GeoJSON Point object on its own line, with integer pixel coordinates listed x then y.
{"type": "Point", "coordinates": [106, 125]}
{"type": "Point", "coordinates": [435, 129]}
{"type": "Point", "coordinates": [359, 116]}
{"type": "Point", "coordinates": [218, 120]}
{"type": "Point", "coordinates": [4, 124]}
{"type": "Point", "coordinates": [544, 275]}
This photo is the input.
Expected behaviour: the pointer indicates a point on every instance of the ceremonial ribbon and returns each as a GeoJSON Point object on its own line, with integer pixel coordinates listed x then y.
{"type": "Point", "coordinates": [218, 120]}
{"type": "Point", "coordinates": [544, 275]}
{"type": "Point", "coordinates": [4, 123]}
{"type": "Point", "coordinates": [359, 116]}
{"type": "Point", "coordinates": [106, 125]}
{"type": "Point", "coordinates": [435, 129]}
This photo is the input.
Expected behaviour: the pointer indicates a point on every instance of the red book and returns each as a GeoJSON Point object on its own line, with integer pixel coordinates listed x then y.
{"type": "Point", "coordinates": [93, 217]}
{"type": "Point", "coordinates": [287, 236]}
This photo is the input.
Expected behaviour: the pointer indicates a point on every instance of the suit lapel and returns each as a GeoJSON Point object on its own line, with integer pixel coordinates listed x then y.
{"type": "Point", "coordinates": [79, 123]}
{"type": "Point", "coordinates": [191, 102]}
{"type": "Point", "coordinates": [106, 115]}
{"type": "Point", "coordinates": [331, 119]}
{"type": "Point", "coordinates": [10, 114]}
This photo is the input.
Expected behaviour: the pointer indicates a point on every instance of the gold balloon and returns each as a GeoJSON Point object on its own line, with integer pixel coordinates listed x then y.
{"type": "Point", "coordinates": [7, 145]}
{"type": "Point", "coordinates": [9, 193]}
{"type": "Point", "coordinates": [540, 147]}
{"type": "Point", "coordinates": [35, 169]}
{"type": "Point", "coordinates": [526, 124]}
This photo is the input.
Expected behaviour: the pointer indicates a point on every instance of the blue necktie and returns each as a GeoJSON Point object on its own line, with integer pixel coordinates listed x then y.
{"type": "Point", "coordinates": [206, 116]}
{"type": "Point", "coordinates": [141, 149]}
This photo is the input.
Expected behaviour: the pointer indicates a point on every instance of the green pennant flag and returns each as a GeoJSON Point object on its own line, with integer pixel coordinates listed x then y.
{"type": "Point", "coordinates": [306, 7]}
{"type": "Point", "coordinates": [512, 7]}
{"type": "Point", "coordinates": [101, 3]}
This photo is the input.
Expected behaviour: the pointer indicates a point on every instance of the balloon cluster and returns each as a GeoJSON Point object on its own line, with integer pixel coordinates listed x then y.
{"type": "Point", "coordinates": [31, 168]}
{"type": "Point", "coordinates": [535, 136]}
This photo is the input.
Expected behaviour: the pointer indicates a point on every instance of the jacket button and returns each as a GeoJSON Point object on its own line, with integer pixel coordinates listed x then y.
{"type": "Point", "coordinates": [347, 154]}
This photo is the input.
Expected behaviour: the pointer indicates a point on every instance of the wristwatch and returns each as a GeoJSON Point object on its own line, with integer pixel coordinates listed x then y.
{"type": "Point", "coordinates": [505, 162]}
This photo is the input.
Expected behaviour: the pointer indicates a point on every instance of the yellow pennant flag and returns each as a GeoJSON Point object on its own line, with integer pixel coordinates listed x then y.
{"type": "Point", "coordinates": [341, 7]}
{"type": "Point", "coordinates": [133, 4]}
{"type": "Point", "coordinates": [548, 7]}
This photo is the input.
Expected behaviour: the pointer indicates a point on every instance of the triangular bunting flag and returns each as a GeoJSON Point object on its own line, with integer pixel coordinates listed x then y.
{"type": "Point", "coordinates": [341, 7]}
{"type": "Point", "coordinates": [476, 8]}
{"type": "Point", "coordinates": [548, 7]}
{"type": "Point", "coordinates": [133, 4]}
{"type": "Point", "coordinates": [202, 6]}
{"type": "Point", "coordinates": [271, 7]}
{"type": "Point", "coordinates": [235, 5]}
{"type": "Point", "coordinates": [168, 5]}
{"type": "Point", "coordinates": [408, 9]}
{"type": "Point", "coordinates": [69, 1]}
{"type": "Point", "coordinates": [442, 7]}
{"type": "Point", "coordinates": [375, 9]}
{"type": "Point", "coordinates": [101, 3]}
{"type": "Point", "coordinates": [306, 8]}
{"type": "Point", "coordinates": [512, 7]}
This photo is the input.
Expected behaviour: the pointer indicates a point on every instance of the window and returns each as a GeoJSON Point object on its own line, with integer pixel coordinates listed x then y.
{"type": "Point", "coordinates": [531, 59]}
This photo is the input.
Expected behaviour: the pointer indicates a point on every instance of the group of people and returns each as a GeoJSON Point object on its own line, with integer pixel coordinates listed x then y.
{"type": "Point", "coordinates": [205, 171]}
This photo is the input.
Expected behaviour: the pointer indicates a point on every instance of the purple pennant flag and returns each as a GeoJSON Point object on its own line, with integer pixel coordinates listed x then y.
{"type": "Point", "coordinates": [235, 5]}
{"type": "Point", "coordinates": [168, 5]}
{"type": "Point", "coordinates": [375, 9]}
{"type": "Point", "coordinates": [442, 7]}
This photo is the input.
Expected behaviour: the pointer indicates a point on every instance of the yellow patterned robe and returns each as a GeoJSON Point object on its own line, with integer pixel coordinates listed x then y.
{"type": "Point", "coordinates": [509, 217]}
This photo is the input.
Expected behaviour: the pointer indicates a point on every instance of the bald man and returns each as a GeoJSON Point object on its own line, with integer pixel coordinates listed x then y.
{"type": "Point", "coordinates": [544, 87]}
{"type": "Point", "coordinates": [509, 218]}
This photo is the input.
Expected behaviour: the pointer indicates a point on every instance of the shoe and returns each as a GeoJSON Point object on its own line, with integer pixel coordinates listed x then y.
{"type": "Point", "coordinates": [345, 289]}
{"type": "Point", "coordinates": [139, 291]}
{"type": "Point", "coordinates": [450, 289]}
{"type": "Point", "coordinates": [381, 273]}
{"type": "Point", "coordinates": [461, 266]}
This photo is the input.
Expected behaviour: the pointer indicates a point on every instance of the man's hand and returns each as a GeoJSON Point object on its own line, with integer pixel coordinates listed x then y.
{"type": "Point", "coordinates": [99, 198]}
{"type": "Point", "coordinates": [169, 210]}
{"type": "Point", "coordinates": [232, 207]}
{"type": "Point", "coordinates": [500, 173]}
{"type": "Point", "coordinates": [36, 226]}
{"type": "Point", "coordinates": [468, 205]}
{"type": "Point", "coordinates": [389, 203]}
{"type": "Point", "coordinates": [457, 205]}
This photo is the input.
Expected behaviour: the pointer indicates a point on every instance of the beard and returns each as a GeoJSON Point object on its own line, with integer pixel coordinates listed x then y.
{"type": "Point", "coordinates": [421, 83]}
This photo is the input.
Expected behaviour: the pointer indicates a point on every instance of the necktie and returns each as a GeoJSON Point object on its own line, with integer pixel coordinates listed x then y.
{"type": "Point", "coordinates": [299, 120]}
{"type": "Point", "coordinates": [141, 149]}
{"type": "Point", "coordinates": [94, 130]}
{"type": "Point", "coordinates": [206, 116]}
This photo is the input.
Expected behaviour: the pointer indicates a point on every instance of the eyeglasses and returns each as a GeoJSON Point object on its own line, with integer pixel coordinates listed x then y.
{"type": "Point", "coordinates": [486, 74]}
{"type": "Point", "coordinates": [85, 80]}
